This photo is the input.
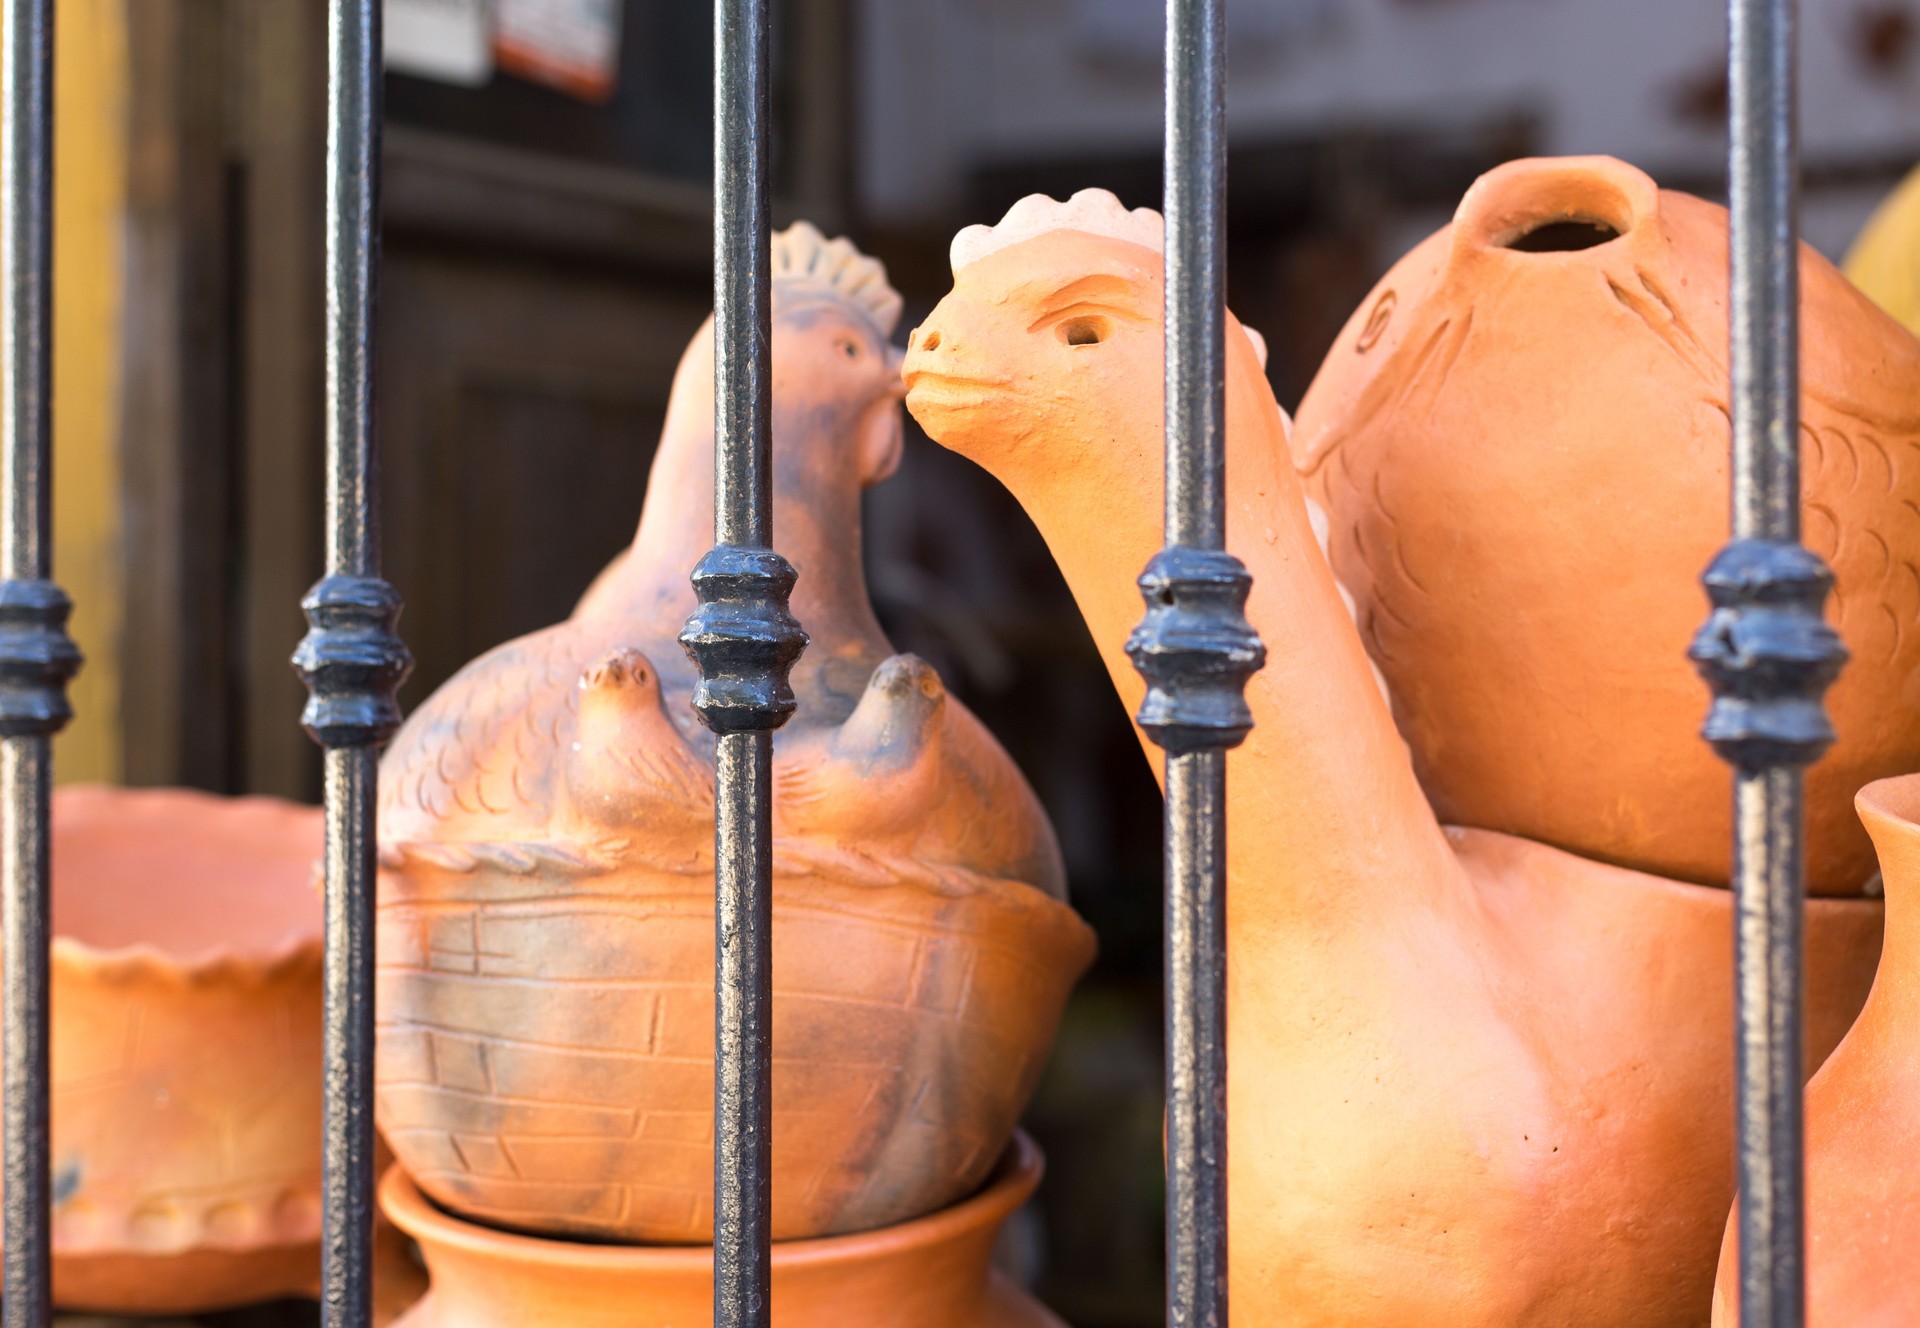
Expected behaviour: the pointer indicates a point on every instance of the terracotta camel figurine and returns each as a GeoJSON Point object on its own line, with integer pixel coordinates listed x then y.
{"type": "Point", "coordinates": [1474, 1079]}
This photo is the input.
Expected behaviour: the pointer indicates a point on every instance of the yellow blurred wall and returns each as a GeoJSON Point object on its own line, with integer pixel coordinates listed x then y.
{"type": "Point", "coordinates": [1885, 260]}
{"type": "Point", "coordinates": [90, 174]}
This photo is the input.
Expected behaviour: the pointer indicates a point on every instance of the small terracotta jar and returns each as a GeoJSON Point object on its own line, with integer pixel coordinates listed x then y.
{"type": "Point", "coordinates": [185, 1050]}
{"type": "Point", "coordinates": [546, 913]}
{"type": "Point", "coordinates": [931, 1272]}
{"type": "Point", "coordinates": [1863, 1117]}
{"type": "Point", "coordinates": [1521, 439]}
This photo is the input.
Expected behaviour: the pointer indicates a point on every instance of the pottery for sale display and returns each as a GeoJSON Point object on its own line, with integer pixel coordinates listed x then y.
{"type": "Point", "coordinates": [1863, 1116]}
{"type": "Point", "coordinates": [1475, 1079]}
{"type": "Point", "coordinates": [185, 1050]}
{"type": "Point", "coordinates": [1521, 439]}
{"type": "Point", "coordinates": [931, 1272]}
{"type": "Point", "coordinates": [546, 911]}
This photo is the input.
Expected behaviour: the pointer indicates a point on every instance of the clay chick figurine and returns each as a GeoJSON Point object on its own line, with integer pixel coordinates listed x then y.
{"type": "Point", "coordinates": [547, 837]}
{"type": "Point", "coordinates": [1475, 1079]}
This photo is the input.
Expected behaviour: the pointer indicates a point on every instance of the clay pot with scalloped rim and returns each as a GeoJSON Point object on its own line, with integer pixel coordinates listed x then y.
{"type": "Point", "coordinates": [932, 1272]}
{"type": "Point", "coordinates": [185, 1050]}
{"type": "Point", "coordinates": [546, 911]}
{"type": "Point", "coordinates": [1863, 1116]}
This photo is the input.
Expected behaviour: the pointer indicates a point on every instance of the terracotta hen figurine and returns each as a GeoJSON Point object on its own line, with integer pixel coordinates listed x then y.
{"type": "Point", "coordinates": [546, 911]}
{"type": "Point", "coordinates": [1475, 1079]}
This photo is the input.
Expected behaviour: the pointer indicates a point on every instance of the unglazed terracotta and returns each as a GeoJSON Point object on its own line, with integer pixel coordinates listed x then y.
{"type": "Point", "coordinates": [546, 914]}
{"type": "Point", "coordinates": [932, 1272]}
{"type": "Point", "coordinates": [1475, 1080]}
{"type": "Point", "coordinates": [185, 1050]}
{"type": "Point", "coordinates": [1524, 456]}
{"type": "Point", "coordinates": [1863, 1117]}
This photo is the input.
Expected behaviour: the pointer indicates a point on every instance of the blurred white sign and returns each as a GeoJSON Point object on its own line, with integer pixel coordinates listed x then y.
{"type": "Point", "coordinates": [572, 45]}
{"type": "Point", "coordinates": [449, 41]}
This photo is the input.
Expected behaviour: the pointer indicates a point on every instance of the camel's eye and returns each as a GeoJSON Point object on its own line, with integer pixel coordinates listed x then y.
{"type": "Point", "coordinates": [1083, 331]}
{"type": "Point", "coordinates": [850, 348]}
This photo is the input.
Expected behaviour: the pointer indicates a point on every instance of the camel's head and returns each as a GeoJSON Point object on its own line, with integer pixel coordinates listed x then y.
{"type": "Point", "coordinates": [1052, 332]}
{"type": "Point", "coordinates": [836, 376]}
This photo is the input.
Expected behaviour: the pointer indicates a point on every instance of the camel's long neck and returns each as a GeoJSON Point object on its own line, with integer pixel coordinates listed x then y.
{"type": "Point", "coordinates": [816, 526]}
{"type": "Point", "coordinates": [1325, 815]}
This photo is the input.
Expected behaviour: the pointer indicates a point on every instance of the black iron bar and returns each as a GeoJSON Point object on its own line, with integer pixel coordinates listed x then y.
{"type": "Point", "coordinates": [37, 658]}
{"type": "Point", "coordinates": [1769, 657]}
{"type": "Point", "coordinates": [1196, 651]}
{"type": "Point", "coordinates": [744, 642]}
{"type": "Point", "coordinates": [351, 659]}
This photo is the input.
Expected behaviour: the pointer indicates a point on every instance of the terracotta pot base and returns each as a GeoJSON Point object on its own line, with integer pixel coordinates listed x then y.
{"type": "Point", "coordinates": [932, 1272]}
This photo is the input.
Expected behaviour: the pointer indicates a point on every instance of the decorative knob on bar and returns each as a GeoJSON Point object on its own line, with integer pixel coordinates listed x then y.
{"type": "Point", "coordinates": [1196, 650]}
{"type": "Point", "coordinates": [743, 639]}
{"type": "Point", "coordinates": [1768, 655]}
{"type": "Point", "coordinates": [37, 659]}
{"type": "Point", "coordinates": [352, 661]}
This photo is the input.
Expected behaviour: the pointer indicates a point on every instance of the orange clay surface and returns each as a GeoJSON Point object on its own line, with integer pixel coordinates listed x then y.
{"type": "Point", "coordinates": [546, 913]}
{"type": "Point", "coordinates": [1475, 1080]}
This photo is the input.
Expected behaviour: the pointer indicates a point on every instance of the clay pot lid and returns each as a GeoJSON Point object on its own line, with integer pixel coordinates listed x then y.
{"type": "Point", "coordinates": [185, 884]}
{"type": "Point", "coordinates": [1013, 1182]}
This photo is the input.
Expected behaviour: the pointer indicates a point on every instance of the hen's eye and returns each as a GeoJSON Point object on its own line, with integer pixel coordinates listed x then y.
{"type": "Point", "coordinates": [850, 349]}
{"type": "Point", "coordinates": [1083, 331]}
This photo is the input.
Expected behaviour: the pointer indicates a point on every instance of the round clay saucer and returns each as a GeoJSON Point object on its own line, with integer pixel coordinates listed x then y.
{"type": "Point", "coordinates": [932, 1272]}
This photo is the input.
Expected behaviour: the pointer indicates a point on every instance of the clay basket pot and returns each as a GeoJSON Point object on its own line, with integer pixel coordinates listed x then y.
{"type": "Point", "coordinates": [185, 1050]}
{"type": "Point", "coordinates": [546, 1041]}
{"type": "Point", "coordinates": [932, 1272]}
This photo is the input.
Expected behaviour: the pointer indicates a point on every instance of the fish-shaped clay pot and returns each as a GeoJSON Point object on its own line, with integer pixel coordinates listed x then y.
{"type": "Point", "coordinates": [1863, 1117]}
{"type": "Point", "coordinates": [1521, 439]}
{"type": "Point", "coordinates": [1474, 1079]}
{"type": "Point", "coordinates": [546, 908]}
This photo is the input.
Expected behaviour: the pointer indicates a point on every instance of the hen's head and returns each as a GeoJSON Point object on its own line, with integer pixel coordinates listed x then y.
{"type": "Point", "coordinates": [836, 375]}
{"type": "Point", "coordinates": [1052, 332]}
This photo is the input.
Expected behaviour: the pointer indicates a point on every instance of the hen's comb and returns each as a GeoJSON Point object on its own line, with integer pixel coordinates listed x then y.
{"type": "Point", "coordinates": [802, 254]}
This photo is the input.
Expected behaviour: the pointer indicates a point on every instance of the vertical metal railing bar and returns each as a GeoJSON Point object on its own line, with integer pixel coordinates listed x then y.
{"type": "Point", "coordinates": [1196, 651]}
{"type": "Point", "coordinates": [1196, 267]}
{"type": "Point", "coordinates": [351, 658]}
{"type": "Point", "coordinates": [744, 642]}
{"type": "Point", "coordinates": [36, 656]}
{"type": "Point", "coordinates": [1769, 656]}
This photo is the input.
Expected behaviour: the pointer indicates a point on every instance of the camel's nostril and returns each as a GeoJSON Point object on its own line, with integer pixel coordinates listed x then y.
{"type": "Point", "coordinates": [931, 341]}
